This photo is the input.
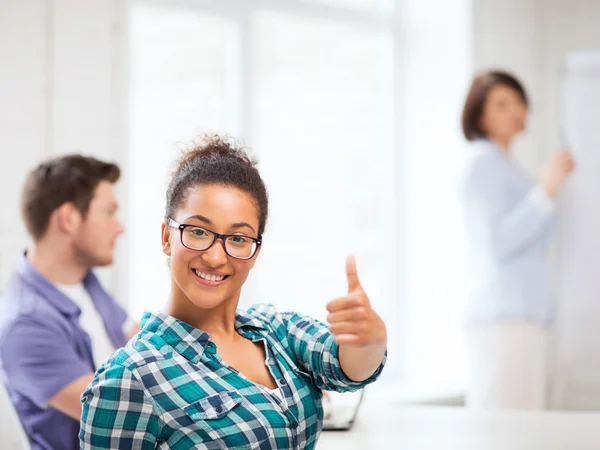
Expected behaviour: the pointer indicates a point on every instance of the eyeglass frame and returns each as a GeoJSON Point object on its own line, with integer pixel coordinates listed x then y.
{"type": "Point", "coordinates": [182, 226]}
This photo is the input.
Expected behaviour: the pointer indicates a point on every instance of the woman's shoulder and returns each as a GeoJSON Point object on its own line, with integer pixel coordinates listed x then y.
{"type": "Point", "coordinates": [268, 314]}
{"type": "Point", "coordinates": [483, 150]}
{"type": "Point", "coordinates": [261, 315]}
{"type": "Point", "coordinates": [261, 310]}
{"type": "Point", "coordinates": [138, 352]}
{"type": "Point", "coordinates": [481, 144]}
{"type": "Point", "coordinates": [482, 157]}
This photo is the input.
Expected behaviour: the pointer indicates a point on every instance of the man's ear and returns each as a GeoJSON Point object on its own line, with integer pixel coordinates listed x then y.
{"type": "Point", "coordinates": [166, 239]}
{"type": "Point", "coordinates": [67, 218]}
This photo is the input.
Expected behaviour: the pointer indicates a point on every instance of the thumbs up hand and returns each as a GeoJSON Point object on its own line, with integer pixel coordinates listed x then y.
{"type": "Point", "coordinates": [351, 319]}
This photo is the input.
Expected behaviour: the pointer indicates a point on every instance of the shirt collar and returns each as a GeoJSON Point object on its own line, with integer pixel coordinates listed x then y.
{"type": "Point", "coordinates": [51, 293]}
{"type": "Point", "coordinates": [187, 340]}
{"type": "Point", "coordinates": [491, 146]}
{"type": "Point", "coordinates": [245, 320]}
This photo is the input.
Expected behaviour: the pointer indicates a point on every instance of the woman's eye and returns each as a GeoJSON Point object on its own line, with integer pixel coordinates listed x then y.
{"type": "Point", "coordinates": [199, 232]}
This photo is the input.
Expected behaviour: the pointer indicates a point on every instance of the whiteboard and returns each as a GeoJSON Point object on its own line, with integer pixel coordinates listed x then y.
{"type": "Point", "coordinates": [578, 313]}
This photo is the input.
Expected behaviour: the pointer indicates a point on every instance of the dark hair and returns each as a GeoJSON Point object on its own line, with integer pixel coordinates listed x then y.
{"type": "Point", "coordinates": [480, 88]}
{"type": "Point", "coordinates": [215, 160]}
{"type": "Point", "coordinates": [65, 179]}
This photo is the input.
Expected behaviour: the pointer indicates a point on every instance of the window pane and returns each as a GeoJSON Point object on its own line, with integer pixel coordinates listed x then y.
{"type": "Point", "coordinates": [179, 88]}
{"type": "Point", "coordinates": [322, 95]}
{"type": "Point", "coordinates": [436, 291]}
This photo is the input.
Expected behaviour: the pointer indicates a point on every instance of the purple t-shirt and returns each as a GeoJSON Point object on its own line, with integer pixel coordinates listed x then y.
{"type": "Point", "coordinates": [43, 349]}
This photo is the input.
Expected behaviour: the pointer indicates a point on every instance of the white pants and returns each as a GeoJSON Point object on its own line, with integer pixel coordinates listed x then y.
{"type": "Point", "coordinates": [507, 366]}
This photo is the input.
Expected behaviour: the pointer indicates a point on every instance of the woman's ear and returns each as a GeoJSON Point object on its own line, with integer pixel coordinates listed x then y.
{"type": "Point", "coordinates": [166, 239]}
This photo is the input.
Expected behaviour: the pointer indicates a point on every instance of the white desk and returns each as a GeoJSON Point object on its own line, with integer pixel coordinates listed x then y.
{"type": "Point", "coordinates": [436, 428]}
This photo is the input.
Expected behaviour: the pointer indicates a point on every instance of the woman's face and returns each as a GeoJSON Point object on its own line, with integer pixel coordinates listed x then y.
{"type": "Point", "coordinates": [224, 210]}
{"type": "Point", "coordinates": [504, 113]}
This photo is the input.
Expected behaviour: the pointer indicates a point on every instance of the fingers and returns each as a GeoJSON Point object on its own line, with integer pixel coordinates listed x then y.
{"type": "Point", "coordinates": [345, 303]}
{"type": "Point", "coordinates": [348, 315]}
{"type": "Point", "coordinates": [352, 274]}
{"type": "Point", "coordinates": [351, 319]}
{"type": "Point", "coordinates": [354, 328]}
{"type": "Point", "coordinates": [564, 161]}
{"type": "Point", "coordinates": [568, 163]}
{"type": "Point", "coordinates": [351, 340]}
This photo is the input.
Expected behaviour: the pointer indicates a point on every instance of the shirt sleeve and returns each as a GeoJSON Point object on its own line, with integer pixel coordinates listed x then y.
{"type": "Point", "coordinates": [317, 352]}
{"type": "Point", "coordinates": [39, 360]}
{"type": "Point", "coordinates": [117, 413]}
{"type": "Point", "coordinates": [507, 228]}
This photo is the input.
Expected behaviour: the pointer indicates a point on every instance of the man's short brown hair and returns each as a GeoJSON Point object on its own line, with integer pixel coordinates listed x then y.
{"type": "Point", "coordinates": [480, 88]}
{"type": "Point", "coordinates": [65, 179]}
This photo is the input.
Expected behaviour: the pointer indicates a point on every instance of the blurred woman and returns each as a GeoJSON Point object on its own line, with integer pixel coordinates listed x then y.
{"type": "Point", "coordinates": [510, 223]}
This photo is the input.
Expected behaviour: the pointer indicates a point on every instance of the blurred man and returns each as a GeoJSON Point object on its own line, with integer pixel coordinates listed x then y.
{"type": "Point", "coordinates": [57, 323]}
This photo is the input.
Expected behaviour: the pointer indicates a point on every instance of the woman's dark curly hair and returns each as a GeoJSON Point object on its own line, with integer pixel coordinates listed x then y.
{"type": "Point", "coordinates": [215, 160]}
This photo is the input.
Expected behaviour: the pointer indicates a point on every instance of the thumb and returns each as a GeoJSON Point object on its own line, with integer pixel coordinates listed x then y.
{"type": "Point", "coordinates": [352, 274]}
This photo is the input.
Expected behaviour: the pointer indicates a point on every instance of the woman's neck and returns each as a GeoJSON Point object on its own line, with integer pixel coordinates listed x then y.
{"type": "Point", "coordinates": [219, 320]}
{"type": "Point", "coordinates": [502, 142]}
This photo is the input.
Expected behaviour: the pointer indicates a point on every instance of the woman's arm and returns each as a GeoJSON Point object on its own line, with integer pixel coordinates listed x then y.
{"type": "Point", "coordinates": [507, 229]}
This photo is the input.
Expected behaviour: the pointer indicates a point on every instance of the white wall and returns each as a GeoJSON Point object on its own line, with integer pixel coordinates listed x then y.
{"type": "Point", "coordinates": [505, 36]}
{"type": "Point", "coordinates": [23, 123]}
{"type": "Point", "coordinates": [60, 91]}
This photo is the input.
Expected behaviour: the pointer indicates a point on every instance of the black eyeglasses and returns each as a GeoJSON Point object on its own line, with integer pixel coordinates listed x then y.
{"type": "Point", "coordinates": [199, 238]}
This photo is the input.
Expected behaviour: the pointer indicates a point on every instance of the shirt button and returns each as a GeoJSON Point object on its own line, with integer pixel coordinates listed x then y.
{"type": "Point", "coordinates": [294, 425]}
{"type": "Point", "coordinates": [219, 408]}
{"type": "Point", "coordinates": [282, 381]}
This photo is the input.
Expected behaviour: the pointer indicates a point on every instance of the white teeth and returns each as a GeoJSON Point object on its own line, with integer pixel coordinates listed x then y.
{"type": "Point", "coordinates": [208, 277]}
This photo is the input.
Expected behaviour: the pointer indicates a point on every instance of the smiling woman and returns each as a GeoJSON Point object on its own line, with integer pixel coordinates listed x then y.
{"type": "Point", "coordinates": [204, 372]}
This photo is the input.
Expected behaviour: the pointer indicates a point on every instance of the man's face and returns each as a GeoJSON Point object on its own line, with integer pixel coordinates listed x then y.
{"type": "Point", "coordinates": [94, 240]}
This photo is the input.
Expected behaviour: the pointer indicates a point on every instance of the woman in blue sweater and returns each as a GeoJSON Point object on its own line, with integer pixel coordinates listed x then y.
{"type": "Point", "coordinates": [510, 223]}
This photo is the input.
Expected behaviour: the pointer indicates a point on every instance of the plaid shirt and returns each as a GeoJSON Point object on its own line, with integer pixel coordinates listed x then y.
{"type": "Point", "coordinates": [169, 389]}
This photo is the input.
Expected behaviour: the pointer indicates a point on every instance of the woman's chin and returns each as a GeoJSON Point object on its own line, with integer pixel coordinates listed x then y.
{"type": "Point", "coordinates": [206, 302]}
{"type": "Point", "coordinates": [207, 298]}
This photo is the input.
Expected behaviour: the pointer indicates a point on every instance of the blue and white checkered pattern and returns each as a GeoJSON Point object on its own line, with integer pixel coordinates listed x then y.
{"type": "Point", "coordinates": [169, 389]}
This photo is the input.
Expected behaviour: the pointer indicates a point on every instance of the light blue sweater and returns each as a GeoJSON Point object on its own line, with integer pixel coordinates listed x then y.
{"type": "Point", "coordinates": [510, 221]}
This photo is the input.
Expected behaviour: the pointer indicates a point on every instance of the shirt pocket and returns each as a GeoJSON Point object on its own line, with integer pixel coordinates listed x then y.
{"type": "Point", "coordinates": [226, 421]}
